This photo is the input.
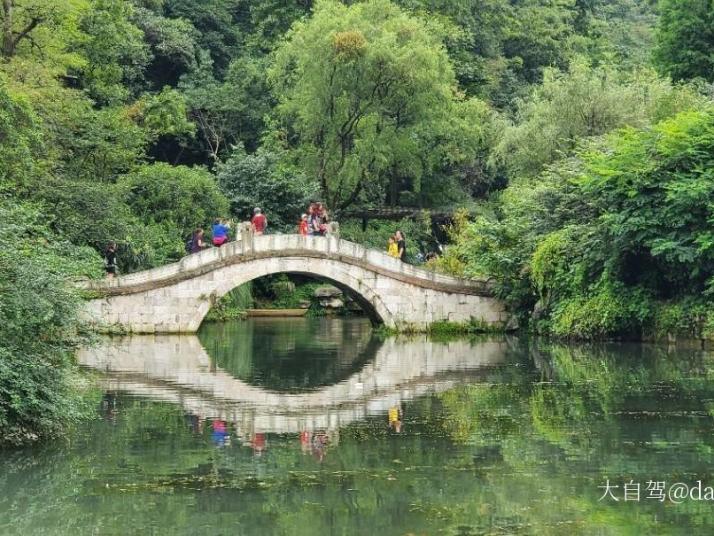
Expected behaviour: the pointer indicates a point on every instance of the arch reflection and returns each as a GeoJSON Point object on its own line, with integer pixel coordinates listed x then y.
{"type": "Point", "coordinates": [178, 369]}
{"type": "Point", "coordinates": [291, 354]}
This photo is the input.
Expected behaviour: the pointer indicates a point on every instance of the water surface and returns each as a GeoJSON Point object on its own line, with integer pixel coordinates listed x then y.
{"type": "Point", "coordinates": [318, 426]}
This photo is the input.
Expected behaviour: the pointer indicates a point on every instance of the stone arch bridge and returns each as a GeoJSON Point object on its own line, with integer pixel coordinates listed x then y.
{"type": "Point", "coordinates": [175, 298]}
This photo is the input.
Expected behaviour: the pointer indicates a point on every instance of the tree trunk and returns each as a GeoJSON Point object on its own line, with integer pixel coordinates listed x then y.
{"type": "Point", "coordinates": [8, 41]}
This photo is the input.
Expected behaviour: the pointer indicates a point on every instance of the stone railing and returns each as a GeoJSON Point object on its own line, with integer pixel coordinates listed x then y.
{"type": "Point", "coordinates": [250, 246]}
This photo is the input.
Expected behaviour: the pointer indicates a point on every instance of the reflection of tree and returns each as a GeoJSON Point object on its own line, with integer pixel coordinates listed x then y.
{"type": "Point", "coordinates": [564, 425]}
{"type": "Point", "coordinates": [291, 353]}
{"type": "Point", "coordinates": [515, 454]}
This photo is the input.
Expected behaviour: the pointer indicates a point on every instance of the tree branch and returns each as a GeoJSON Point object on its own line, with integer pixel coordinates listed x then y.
{"type": "Point", "coordinates": [22, 34]}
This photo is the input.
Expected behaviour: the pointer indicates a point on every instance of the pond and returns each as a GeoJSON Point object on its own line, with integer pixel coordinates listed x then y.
{"type": "Point", "coordinates": [320, 426]}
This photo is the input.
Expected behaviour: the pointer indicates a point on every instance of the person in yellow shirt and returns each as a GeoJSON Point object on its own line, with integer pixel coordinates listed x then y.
{"type": "Point", "coordinates": [392, 249]}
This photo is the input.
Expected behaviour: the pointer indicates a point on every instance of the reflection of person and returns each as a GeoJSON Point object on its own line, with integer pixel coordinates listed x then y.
{"type": "Point", "coordinates": [319, 445]}
{"type": "Point", "coordinates": [394, 414]}
{"type": "Point", "coordinates": [220, 434]}
{"type": "Point", "coordinates": [305, 438]}
{"type": "Point", "coordinates": [195, 423]}
{"type": "Point", "coordinates": [258, 444]}
{"type": "Point", "coordinates": [109, 407]}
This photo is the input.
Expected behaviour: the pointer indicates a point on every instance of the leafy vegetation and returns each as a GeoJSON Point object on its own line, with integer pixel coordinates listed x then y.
{"type": "Point", "coordinates": [135, 121]}
{"type": "Point", "coordinates": [41, 394]}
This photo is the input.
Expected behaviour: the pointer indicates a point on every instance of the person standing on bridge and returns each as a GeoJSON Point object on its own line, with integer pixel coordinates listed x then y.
{"type": "Point", "coordinates": [259, 221]}
{"type": "Point", "coordinates": [401, 246]}
{"type": "Point", "coordinates": [313, 220]}
{"type": "Point", "coordinates": [220, 232]}
{"type": "Point", "coordinates": [392, 249]}
{"type": "Point", "coordinates": [110, 260]}
{"type": "Point", "coordinates": [303, 226]}
{"type": "Point", "coordinates": [197, 243]}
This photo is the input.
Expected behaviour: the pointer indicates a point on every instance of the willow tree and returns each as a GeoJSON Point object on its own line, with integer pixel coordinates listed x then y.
{"type": "Point", "coordinates": [367, 101]}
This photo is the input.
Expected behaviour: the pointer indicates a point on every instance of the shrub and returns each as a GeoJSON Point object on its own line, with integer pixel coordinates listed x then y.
{"type": "Point", "coordinates": [39, 328]}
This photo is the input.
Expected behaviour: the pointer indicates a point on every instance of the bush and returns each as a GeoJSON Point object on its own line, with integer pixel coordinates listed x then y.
{"type": "Point", "coordinates": [181, 196]}
{"type": "Point", "coordinates": [601, 237]}
{"type": "Point", "coordinates": [39, 328]}
{"type": "Point", "coordinates": [612, 311]}
{"type": "Point", "coordinates": [263, 180]}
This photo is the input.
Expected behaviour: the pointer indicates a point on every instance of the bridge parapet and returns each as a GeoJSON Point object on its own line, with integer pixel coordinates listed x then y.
{"type": "Point", "coordinates": [278, 246]}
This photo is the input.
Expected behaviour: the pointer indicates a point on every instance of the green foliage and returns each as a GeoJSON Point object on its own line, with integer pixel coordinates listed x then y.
{"type": "Point", "coordinates": [365, 91]}
{"type": "Point", "coordinates": [170, 202]}
{"type": "Point", "coordinates": [287, 295]}
{"type": "Point", "coordinates": [172, 44]}
{"type": "Point", "coordinates": [685, 39]}
{"type": "Point", "coordinates": [417, 232]}
{"type": "Point", "coordinates": [39, 328]}
{"type": "Point", "coordinates": [607, 312]}
{"type": "Point", "coordinates": [20, 140]}
{"type": "Point", "coordinates": [115, 52]}
{"type": "Point", "coordinates": [583, 103]}
{"type": "Point", "coordinates": [688, 318]}
{"type": "Point", "coordinates": [231, 111]}
{"type": "Point", "coordinates": [599, 238]}
{"type": "Point", "coordinates": [164, 114]}
{"type": "Point", "coordinates": [262, 180]}
{"type": "Point", "coordinates": [232, 305]}
{"type": "Point", "coordinates": [184, 197]}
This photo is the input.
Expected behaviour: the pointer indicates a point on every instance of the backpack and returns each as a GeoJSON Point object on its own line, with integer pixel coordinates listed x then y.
{"type": "Point", "coordinates": [188, 245]}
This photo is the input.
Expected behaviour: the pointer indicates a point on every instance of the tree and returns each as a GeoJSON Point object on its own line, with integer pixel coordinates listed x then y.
{"type": "Point", "coordinates": [263, 180]}
{"type": "Point", "coordinates": [20, 20]}
{"type": "Point", "coordinates": [21, 144]}
{"type": "Point", "coordinates": [184, 197]}
{"type": "Point", "coordinates": [115, 51]}
{"type": "Point", "coordinates": [230, 112]}
{"type": "Point", "coordinates": [685, 39]}
{"type": "Point", "coordinates": [172, 43]}
{"type": "Point", "coordinates": [362, 92]}
{"type": "Point", "coordinates": [582, 103]}
{"type": "Point", "coordinates": [218, 24]}
{"type": "Point", "coordinates": [39, 323]}
{"type": "Point", "coordinates": [602, 238]}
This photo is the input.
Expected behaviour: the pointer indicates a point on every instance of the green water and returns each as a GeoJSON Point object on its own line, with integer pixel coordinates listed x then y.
{"type": "Point", "coordinates": [282, 427]}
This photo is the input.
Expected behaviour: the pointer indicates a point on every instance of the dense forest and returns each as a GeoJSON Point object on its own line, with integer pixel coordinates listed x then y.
{"type": "Point", "coordinates": [574, 140]}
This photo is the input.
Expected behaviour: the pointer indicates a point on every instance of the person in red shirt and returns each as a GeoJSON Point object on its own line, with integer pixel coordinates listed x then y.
{"type": "Point", "coordinates": [259, 221]}
{"type": "Point", "coordinates": [303, 225]}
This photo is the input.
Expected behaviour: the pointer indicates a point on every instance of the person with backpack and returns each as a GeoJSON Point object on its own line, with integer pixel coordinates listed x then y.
{"type": "Point", "coordinates": [196, 243]}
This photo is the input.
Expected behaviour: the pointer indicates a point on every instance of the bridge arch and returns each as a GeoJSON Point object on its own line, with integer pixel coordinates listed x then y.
{"type": "Point", "coordinates": [330, 271]}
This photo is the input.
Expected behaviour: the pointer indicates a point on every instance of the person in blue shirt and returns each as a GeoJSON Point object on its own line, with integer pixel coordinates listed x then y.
{"type": "Point", "coordinates": [220, 232]}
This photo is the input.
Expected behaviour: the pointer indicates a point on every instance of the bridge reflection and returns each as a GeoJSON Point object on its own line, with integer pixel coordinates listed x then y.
{"type": "Point", "coordinates": [177, 369]}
